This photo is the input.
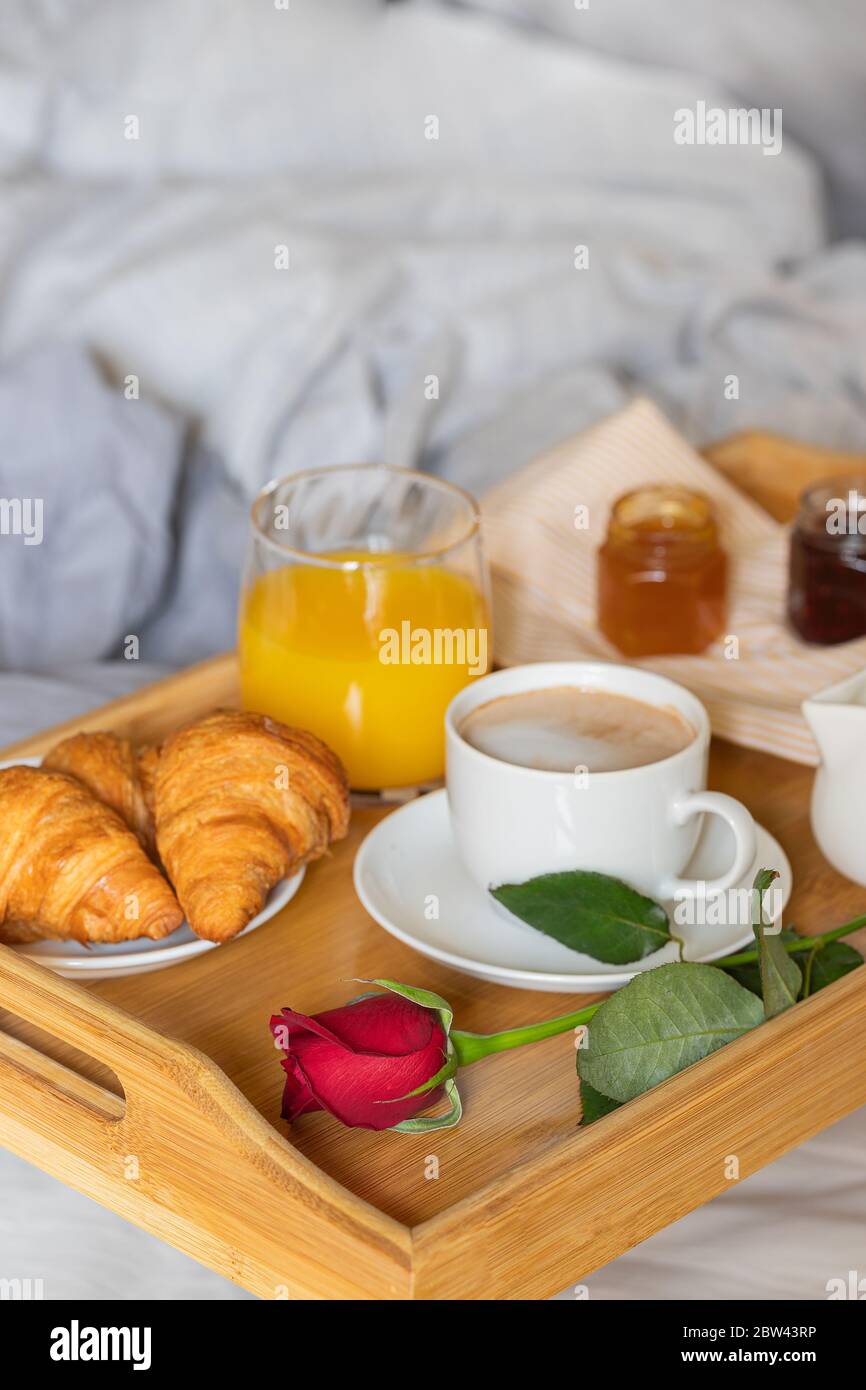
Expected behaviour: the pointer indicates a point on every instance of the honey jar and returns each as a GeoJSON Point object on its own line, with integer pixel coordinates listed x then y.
{"type": "Point", "coordinates": [827, 574]}
{"type": "Point", "coordinates": [662, 573]}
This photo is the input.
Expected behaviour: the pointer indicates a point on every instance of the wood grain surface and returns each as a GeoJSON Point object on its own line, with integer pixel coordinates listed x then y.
{"type": "Point", "coordinates": [521, 1201]}
{"type": "Point", "coordinates": [517, 1105]}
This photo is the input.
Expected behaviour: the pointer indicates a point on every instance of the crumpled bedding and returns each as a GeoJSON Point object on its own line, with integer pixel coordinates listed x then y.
{"type": "Point", "coordinates": [408, 261]}
{"type": "Point", "coordinates": [769, 53]}
{"type": "Point", "coordinates": [158, 364]}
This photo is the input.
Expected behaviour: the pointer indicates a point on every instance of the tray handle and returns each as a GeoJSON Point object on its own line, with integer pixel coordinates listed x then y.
{"type": "Point", "coordinates": [39, 1092]}
{"type": "Point", "coordinates": [185, 1154]}
{"type": "Point", "coordinates": [86, 1022]}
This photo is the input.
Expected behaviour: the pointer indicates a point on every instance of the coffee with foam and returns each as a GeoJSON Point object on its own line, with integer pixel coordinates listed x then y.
{"type": "Point", "coordinates": [563, 728]}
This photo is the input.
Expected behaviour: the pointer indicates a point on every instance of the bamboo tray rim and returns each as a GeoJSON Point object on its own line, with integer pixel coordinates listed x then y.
{"type": "Point", "coordinates": [170, 1083]}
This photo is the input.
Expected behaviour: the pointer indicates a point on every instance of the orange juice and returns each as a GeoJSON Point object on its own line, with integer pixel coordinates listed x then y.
{"type": "Point", "coordinates": [367, 657]}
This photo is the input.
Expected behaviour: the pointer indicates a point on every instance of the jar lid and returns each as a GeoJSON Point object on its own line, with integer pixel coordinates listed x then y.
{"type": "Point", "coordinates": [663, 515]}
{"type": "Point", "coordinates": [835, 510]}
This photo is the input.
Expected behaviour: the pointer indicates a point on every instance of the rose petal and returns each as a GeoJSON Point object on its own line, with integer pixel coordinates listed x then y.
{"type": "Point", "coordinates": [287, 1022]}
{"type": "Point", "coordinates": [298, 1097]}
{"type": "Point", "coordinates": [353, 1086]}
{"type": "Point", "coordinates": [384, 1024]}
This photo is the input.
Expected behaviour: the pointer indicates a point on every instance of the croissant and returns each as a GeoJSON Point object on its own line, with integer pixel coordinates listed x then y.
{"type": "Point", "coordinates": [70, 868]}
{"type": "Point", "coordinates": [115, 773]}
{"type": "Point", "coordinates": [146, 760]}
{"type": "Point", "coordinates": [241, 802]}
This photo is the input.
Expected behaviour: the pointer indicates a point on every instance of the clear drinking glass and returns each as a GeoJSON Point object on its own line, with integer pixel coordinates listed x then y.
{"type": "Point", "coordinates": [365, 608]}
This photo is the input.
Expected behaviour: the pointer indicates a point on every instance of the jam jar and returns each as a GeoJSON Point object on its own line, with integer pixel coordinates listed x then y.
{"type": "Point", "coordinates": [827, 572]}
{"type": "Point", "coordinates": [662, 573]}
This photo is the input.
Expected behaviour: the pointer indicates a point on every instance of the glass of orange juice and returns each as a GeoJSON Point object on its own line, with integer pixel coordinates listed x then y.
{"type": "Point", "coordinates": [365, 608]}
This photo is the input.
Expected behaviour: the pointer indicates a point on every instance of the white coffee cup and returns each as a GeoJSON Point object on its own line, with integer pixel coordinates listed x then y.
{"type": "Point", "coordinates": [640, 824]}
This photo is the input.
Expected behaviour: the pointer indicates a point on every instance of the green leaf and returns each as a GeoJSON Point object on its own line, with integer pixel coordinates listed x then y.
{"type": "Point", "coordinates": [661, 1022]}
{"type": "Point", "coordinates": [593, 1105]}
{"type": "Point", "coordinates": [749, 976]}
{"type": "Point", "coordinates": [594, 914]}
{"type": "Point", "coordinates": [780, 974]}
{"type": "Point", "coordinates": [424, 1124]}
{"type": "Point", "coordinates": [830, 963]}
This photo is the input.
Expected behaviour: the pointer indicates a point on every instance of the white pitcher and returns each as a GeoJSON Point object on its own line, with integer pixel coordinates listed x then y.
{"type": "Point", "coordinates": [837, 718]}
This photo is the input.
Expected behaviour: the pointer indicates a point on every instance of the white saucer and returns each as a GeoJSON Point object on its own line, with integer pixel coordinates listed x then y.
{"type": "Point", "coordinates": [139, 957]}
{"type": "Point", "coordinates": [409, 860]}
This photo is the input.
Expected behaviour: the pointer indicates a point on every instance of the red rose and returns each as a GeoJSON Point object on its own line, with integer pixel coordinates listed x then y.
{"type": "Point", "coordinates": [377, 1062]}
{"type": "Point", "coordinates": [349, 1061]}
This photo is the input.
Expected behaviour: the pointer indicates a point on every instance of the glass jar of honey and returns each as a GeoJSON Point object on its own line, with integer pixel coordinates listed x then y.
{"type": "Point", "coordinates": [662, 573]}
{"type": "Point", "coordinates": [827, 574]}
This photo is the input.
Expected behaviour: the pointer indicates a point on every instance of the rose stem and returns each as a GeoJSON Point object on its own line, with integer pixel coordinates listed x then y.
{"type": "Point", "coordinates": [805, 943]}
{"type": "Point", "coordinates": [470, 1047]}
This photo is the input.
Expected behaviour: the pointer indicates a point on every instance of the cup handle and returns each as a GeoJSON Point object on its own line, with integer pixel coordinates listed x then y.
{"type": "Point", "coordinates": [742, 827]}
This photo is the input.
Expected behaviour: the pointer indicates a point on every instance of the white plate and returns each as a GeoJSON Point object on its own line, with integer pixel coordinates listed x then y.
{"type": "Point", "coordinates": [139, 957]}
{"type": "Point", "coordinates": [407, 867]}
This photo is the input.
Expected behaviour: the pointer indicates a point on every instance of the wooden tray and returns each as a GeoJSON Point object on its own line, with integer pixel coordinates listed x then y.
{"type": "Point", "coordinates": [159, 1095]}
{"type": "Point", "coordinates": [523, 1202]}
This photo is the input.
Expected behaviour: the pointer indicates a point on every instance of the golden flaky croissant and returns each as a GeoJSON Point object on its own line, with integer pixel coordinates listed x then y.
{"type": "Point", "coordinates": [146, 760]}
{"type": "Point", "coordinates": [241, 802]}
{"type": "Point", "coordinates": [70, 868]}
{"type": "Point", "coordinates": [115, 773]}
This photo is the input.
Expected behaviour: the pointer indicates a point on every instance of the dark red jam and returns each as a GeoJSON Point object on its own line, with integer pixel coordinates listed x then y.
{"type": "Point", "coordinates": [827, 578]}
